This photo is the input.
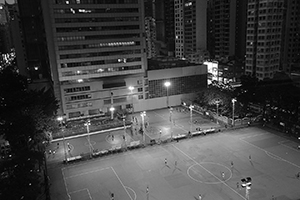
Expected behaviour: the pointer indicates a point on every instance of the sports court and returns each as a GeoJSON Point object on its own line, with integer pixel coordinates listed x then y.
{"type": "Point", "coordinates": [200, 165]}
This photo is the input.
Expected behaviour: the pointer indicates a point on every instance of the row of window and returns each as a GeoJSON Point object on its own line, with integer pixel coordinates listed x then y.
{"type": "Point", "coordinates": [97, 54]}
{"type": "Point", "coordinates": [98, 45]}
{"type": "Point", "coordinates": [100, 62]}
{"type": "Point", "coordinates": [262, 69]}
{"type": "Point", "coordinates": [77, 89]}
{"type": "Point", "coordinates": [94, 19]}
{"type": "Point", "coordinates": [113, 85]}
{"type": "Point", "coordinates": [95, 1]}
{"type": "Point", "coordinates": [264, 30]}
{"type": "Point", "coordinates": [97, 28]}
{"type": "Point", "coordinates": [264, 37]}
{"type": "Point", "coordinates": [79, 97]}
{"type": "Point", "coordinates": [97, 37]}
{"type": "Point", "coordinates": [98, 71]}
{"type": "Point", "coordinates": [95, 10]}
{"type": "Point", "coordinates": [79, 105]}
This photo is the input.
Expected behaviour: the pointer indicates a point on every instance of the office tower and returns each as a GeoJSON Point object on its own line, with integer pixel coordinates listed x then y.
{"type": "Point", "coordinates": [291, 37]}
{"type": "Point", "coordinates": [226, 28]}
{"type": "Point", "coordinates": [190, 30]}
{"type": "Point", "coordinates": [264, 35]}
{"type": "Point", "coordinates": [96, 51]}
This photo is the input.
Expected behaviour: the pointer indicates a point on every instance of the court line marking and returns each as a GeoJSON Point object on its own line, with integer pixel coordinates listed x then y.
{"type": "Point", "coordinates": [89, 194]}
{"type": "Point", "coordinates": [78, 191]}
{"type": "Point", "coordinates": [281, 143]}
{"type": "Point", "coordinates": [209, 172]}
{"type": "Point", "coordinates": [88, 191]}
{"type": "Point", "coordinates": [250, 136]}
{"type": "Point", "coordinates": [65, 182]}
{"type": "Point", "coordinates": [84, 173]}
{"type": "Point", "coordinates": [161, 116]}
{"type": "Point", "coordinates": [271, 154]}
{"type": "Point", "coordinates": [121, 182]}
{"type": "Point", "coordinates": [132, 191]}
{"type": "Point", "coordinates": [206, 182]}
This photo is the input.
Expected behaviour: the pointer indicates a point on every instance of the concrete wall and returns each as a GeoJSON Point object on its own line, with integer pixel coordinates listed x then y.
{"type": "Point", "coordinates": [157, 103]}
{"type": "Point", "coordinates": [177, 72]}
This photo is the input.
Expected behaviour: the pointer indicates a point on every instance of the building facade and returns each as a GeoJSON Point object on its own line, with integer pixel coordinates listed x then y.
{"type": "Point", "coordinates": [264, 37]}
{"type": "Point", "coordinates": [96, 51]}
{"type": "Point", "coordinates": [190, 30]}
{"type": "Point", "coordinates": [179, 28]}
{"type": "Point", "coordinates": [185, 78]}
{"type": "Point", "coordinates": [226, 28]}
{"type": "Point", "coordinates": [290, 56]}
{"type": "Point", "coordinates": [150, 28]}
{"type": "Point", "coordinates": [5, 36]}
{"type": "Point", "coordinates": [150, 36]}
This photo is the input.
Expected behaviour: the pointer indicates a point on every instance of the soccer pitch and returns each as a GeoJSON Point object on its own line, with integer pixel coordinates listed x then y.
{"type": "Point", "coordinates": [210, 165]}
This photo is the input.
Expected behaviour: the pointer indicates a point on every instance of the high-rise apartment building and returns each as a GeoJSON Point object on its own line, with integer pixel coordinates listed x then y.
{"type": "Point", "coordinates": [226, 28]}
{"type": "Point", "coordinates": [150, 28]}
{"type": "Point", "coordinates": [290, 57]}
{"type": "Point", "coordinates": [264, 37]}
{"type": "Point", "coordinates": [179, 28]}
{"type": "Point", "coordinates": [30, 19]}
{"type": "Point", "coordinates": [190, 30]}
{"type": "Point", "coordinates": [96, 51]}
{"type": "Point", "coordinates": [150, 36]}
{"type": "Point", "coordinates": [5, 39]}
{"type": "Point", "coordinates": [169, 25]}
{"type": "Point", "coordinates": [29, 42]}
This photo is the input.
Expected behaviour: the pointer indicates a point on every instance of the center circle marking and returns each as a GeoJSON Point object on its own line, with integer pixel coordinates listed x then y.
{"type": "Point", "coordinates": [209, 172]}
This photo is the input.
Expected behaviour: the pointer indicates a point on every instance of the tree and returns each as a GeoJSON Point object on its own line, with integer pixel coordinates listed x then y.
{"type": "Point", "coordinates": [207, 98]}
{"type": "Point", "coordinates": [25, 116]}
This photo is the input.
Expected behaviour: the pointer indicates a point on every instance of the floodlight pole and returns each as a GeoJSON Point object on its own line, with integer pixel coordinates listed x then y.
{"type": "Point", "coordinates": [131, 88]}
{"type": "Point", "coordinates": [171, 120]}
{"type": "Point", "coordinates": [167, 84]}
{"type": "Point", "coordinates": [233, 104]}
{"type": "Point", "coordinates": [191, 117]}
{"type": "Point", "coordinates": [87, 124]}
{"type": "Point", "coordinates": [143, 114]}
{"type": "Point", "coordinates": [60, 119]}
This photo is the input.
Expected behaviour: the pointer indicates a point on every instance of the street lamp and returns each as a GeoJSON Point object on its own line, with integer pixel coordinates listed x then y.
{"type": "Point", "coordinates": [112, 109]}
{"type": "Point", "coordinates": [143, 114]}
{"type": "Point", "coordinates": [60, 119]}
{"type": "Point", "coordinates": [217, 103]}
{"type": "Point", "coordinates": [171, 120]}
{"type": "Point", "coordinates": [131, 88]}
{"type": "Point", "coordinates": [167, 84]}
{"type": "Point", "coordinates": [111, 104]}
{"type": "Point", "coordinates": [233, 104]}
{"type": "Point", "coordinates": [191, 117]}
{"type": "Point", "coordinates": [124, 125]}
{"type": "Point", "coordinates": [87, 124]}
